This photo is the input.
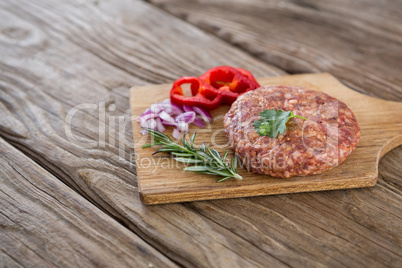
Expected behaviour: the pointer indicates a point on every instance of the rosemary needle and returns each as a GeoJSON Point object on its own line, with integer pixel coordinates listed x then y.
{"type": "Point", "coordinates": [204, 159]}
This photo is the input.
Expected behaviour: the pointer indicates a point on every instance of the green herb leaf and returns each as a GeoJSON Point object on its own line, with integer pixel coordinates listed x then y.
{"type": "Point", "coordinates": [273, 122]}
{"type": "Point", "coordinates": [192, 140]}
{"type": "Point", "coordinates": [182, 154]}
{"type": "Point", "coordinates": [188, 160]}
{"type": "Point", "coordinates": [224, 156]}
{"type": "Point", "coordinates": [151, 144]}
{"type": "Point", "coordinates": [197, 168]}
{"type": "Point", "coordinates": [205, 156]}
{"type": "Point", "coordinates": [225, 178]}
{"type": "Point", "coordinates": [202, 147]}
{"type": "Point", "coordinates": [164, 150]}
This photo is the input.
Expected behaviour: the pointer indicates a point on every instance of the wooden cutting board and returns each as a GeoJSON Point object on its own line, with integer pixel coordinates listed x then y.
{"type": "Point", "coordinates": [162, 180]}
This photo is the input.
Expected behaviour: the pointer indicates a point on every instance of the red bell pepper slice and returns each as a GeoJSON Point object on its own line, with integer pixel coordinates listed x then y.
{"type": "Point", "coordinates": [204, 95]}
{"type": "Point", "coordinates": [248, 74]}
{"type": "Point", "coordinates": [231, 82]}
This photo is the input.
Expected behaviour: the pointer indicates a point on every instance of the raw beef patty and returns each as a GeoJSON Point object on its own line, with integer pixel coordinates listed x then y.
{"type": "Point", "coordinates": [323, 141]}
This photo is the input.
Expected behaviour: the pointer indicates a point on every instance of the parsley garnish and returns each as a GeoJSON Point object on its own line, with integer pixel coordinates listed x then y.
{"type": "Point", "coordinates": [273, 122]}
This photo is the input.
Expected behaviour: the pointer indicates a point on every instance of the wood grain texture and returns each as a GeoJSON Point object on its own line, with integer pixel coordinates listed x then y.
{"type": "Point", "coordinates": [161, 179]}
{"type": "Point", "coordinates": [359, 43]}
{"type": "Point", "coordinates": [43, 223]}
{"type": "Point", "coordinates": [56, 55]}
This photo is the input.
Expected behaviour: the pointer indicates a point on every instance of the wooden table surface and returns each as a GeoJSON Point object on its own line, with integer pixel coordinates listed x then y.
{"type": "Point", "coordinates": [68, 190]}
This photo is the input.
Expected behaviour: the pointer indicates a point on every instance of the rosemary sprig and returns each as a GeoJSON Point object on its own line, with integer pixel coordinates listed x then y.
{"type": "Point", "coordinates": [205, 160]}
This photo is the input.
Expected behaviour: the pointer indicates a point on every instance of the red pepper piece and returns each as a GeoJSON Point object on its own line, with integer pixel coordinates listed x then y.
{"type": "Point", "coordinates": [204, 96]}
{"type": "Point", "coordinates": [248, 74]}
{"type": "Point", "coordinates": [231, 82]}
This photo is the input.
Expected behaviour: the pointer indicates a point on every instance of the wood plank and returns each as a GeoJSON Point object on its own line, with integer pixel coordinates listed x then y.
{"type": "Point", "coordinates": [358, 42]}
{"type": "Point", "coordinates": [44, 223]}
{"type": "Point", "coordinates": [58, 55]}
{"type": "Point", "coordinates": [305, 230]}
{"type": "Point", "coordinates": [161, 179]}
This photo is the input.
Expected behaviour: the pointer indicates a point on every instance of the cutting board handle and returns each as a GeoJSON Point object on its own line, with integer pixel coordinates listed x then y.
{"type": "Point", "coordinates": [381, 120]}
{"type": "Point", "coordinates": [390, 124]}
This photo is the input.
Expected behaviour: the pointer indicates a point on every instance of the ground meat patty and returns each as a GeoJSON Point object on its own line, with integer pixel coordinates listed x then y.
{"type": "Point", "coordinates": [323, 141]}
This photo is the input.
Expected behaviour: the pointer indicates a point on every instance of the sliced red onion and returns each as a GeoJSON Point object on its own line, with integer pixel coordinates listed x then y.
{"type": "Point", "coordinates": [162, 114]}
{"type": "Point", "coordinates": [147, 117]}
{"type": "Point", "coordinates": [167, 108]}
{"type": "Point", "coordinates": [159, 125]}
{"type": "Point", "coordinates": [204, 114]}
{"type": "Point", "coordinates": [182, 126]}
{"type": "Point", "coordinates": [151, 123]}
{"type": "Point", "coordinates": [187, 108]}
{"type": "Point", "coordinates": [187, 117]}
{"type": "Point", "coordinates": [165, 116]}
{"type": "Point", "coordinates": [176, 109]}
{"type": "Point", "coordinates": [176, 133]}
{"type": "Point", "coordinates": [155, 109]}
{"type": "Point", "coordinates": [143, 132]}
{"type": "Point", "coordinates": [147, 111]}
{"type": "Point", "coordinates": [159, 107]}
{"type": "Point", "coordinates": [198, 122]}
{"type": "Point", "coordinates": [168, 123]}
